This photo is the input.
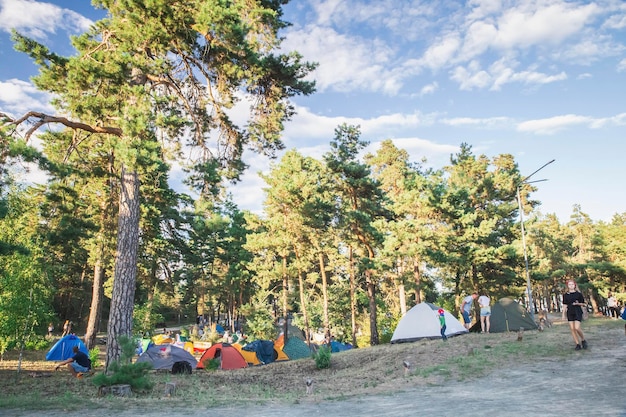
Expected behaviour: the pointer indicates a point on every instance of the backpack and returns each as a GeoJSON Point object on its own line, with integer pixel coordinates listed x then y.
{"type": "Point", "coordinates": [181, 367]}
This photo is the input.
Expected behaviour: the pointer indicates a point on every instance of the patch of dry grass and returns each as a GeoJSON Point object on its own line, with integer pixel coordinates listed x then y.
{"type": "Point", "coordinates": [358, 372]}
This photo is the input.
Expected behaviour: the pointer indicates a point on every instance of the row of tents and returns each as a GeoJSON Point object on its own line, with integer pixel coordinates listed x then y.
{"type": "Point", "coordinates": [420, 322]}
{"type": "Point", "coordinates": [230, 356]}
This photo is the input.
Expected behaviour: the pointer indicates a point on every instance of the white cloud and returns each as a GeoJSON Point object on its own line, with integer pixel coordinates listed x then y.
{"type": "Point", "coordinates": [621, 66]}
{"type": "Point", "coordinates": [346, 63]}
{"type": "Point", "coordinates": [483, 8]}
{"type": "Point", "coordinates": [441, 53]}
{"type": "Point", "coordinates": [429, 88]}
{"type": "Point", "coordinates": [553, 125]}
{"type": "Point", "coordinates": [489, 122]}
{"type": "Point", "coordinates": [477, 40]}
{"type": "Point", "coordinates": [471, 77]}
{"type": "Point", "coordinates": [18, 97]}
{"type": "Point", "coordinates": [37, 19]}
{"type": "Point", "coordinates": [539, 23]}
{"type": "Point", "coordinates": [617, 21]}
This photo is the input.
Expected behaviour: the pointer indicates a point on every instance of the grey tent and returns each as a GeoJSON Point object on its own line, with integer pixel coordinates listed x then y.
{"type": "Point", "coordinates": [164, 356]}
{"type": "Point", "coordinates": [507, 315]}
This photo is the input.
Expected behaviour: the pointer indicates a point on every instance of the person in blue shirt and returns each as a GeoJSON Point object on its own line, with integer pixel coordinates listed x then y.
{"type": "Point", "coordinates": [466, 309]}
{"type": "Point", "coordinates": [77, 364]}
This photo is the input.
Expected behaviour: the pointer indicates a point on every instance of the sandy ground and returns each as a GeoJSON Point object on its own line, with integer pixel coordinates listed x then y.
{"type": "Point", "coordinates": [588, 383]}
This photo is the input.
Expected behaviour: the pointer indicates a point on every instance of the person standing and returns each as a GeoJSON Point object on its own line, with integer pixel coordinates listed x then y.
{"type": "Point", "coordinates": [466, 309]}
{"type": "Point", "coordinates": [573, 303]}
{"type": "Point", "coordinates": [442, 324]}
{"type": "Point", "coordinates": [611, 303]}
{"type": "Point", "coordinates": [67, 328]}
{"type": "Point", "coordinates": [485, 313]}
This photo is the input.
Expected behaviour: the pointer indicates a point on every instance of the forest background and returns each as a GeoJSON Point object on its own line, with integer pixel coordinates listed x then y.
{"type": "Point", "coordinates": [345, 243]}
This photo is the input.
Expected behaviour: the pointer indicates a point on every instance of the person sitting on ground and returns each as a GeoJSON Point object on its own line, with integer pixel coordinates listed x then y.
{"type": "Point", "coordinates": [77, 364]}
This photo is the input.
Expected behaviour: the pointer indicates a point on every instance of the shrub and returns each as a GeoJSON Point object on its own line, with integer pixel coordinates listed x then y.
{"type": "Point", "coordinates": [212, 364]}
{"type": "Point", "coordinates": [37, 343]}
{"type": "Point", "coordinates": [94, 356]}
{"type": "Point", "coordinates": [126, 372]}
{"type": "Point", "coordinates": [322, 357]}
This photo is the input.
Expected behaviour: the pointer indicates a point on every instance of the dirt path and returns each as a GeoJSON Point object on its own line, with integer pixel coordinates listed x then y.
{"type": "Point", "coordinates": [588, 383]}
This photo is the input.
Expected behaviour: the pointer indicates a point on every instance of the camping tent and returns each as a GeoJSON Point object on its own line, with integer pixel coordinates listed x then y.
{"type": "Point", "coordinates": [422, 322]}
{"type": "Point", "coordinates": [230, 358]}
{"type": "Point", "coordinates": [507, 315]}
{"type": "Point", "coordinates": [295, 348]}
{"type": "Point", "coordinates": [62, 349]}
{"type": "Point", "coordinates": [264, 350]}
{"type": "Point", "coordinates": [164, 356]}
{"type": "Point", "coordinates": [249, 356]}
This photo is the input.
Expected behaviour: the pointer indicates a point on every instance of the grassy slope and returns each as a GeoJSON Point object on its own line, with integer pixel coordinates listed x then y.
{"type": "Point", "coordinates": [359, 372]}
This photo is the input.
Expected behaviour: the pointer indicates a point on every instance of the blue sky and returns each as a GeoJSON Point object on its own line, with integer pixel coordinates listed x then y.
{"type": "Point", "coordinates": [541, 80]}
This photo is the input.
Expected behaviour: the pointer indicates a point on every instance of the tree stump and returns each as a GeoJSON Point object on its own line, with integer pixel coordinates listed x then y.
{"type": "Point", "coordinates": [170, 389]}
{"type": "Point", "coordinates": [122, 390]}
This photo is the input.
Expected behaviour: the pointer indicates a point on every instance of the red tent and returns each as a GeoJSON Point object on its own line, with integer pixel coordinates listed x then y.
{"type": "Point", "coordinates": [230, 358]}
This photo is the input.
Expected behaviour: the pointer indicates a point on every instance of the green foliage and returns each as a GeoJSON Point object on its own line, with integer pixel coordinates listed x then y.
{"type": "Point", "coordinates": [387, 323]}
{"type": "Point", "coordinates": [259, 322]}
{"type": "Point", "coordinates": [37, 343]}
{"type": "Point", "coordinates": [184, 332]}
{"type": "Point", "coordinates": [212, 364]}
{"type": "Point", "coordinates": [25, 289]}
{"type": "Point", "coordinates": [94, 356]}
{"type": "Point", "coordinates": [5, 344]}
{"type": "Point", "coordinates": [145, 317]}
{"type": "Point", "coordinates": [125, 371]}
{"type": "Point", "coordinates": [322, 357]}
{"type": "Point", "coordinates": [211, 334]}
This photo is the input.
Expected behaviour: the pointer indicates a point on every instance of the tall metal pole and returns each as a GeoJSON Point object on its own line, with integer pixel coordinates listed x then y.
{"type": "Point", "coordinates": [529, 289]}
{"type": "Point", "coordinates": [531, 308]}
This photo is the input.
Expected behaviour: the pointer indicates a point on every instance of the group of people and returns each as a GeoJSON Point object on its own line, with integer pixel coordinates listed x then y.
{"type": "Point", "coordinates": [485, 311]}
{"type": "Point", "coordinates": [573, 304]}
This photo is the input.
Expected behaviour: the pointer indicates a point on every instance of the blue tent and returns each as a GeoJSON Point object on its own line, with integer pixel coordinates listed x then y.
{"type": "Point", "coordinates": [62, 349]}
{"type": "Point", "coordinates": [264, 350]}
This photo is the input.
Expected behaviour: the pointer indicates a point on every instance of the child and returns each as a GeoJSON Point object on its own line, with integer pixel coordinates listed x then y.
{"type": "Point", "coordinates": [442, 324]}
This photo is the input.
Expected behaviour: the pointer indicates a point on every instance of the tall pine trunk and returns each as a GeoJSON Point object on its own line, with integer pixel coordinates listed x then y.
{"type": "Point", "coordinates": [352, 294]}
{"type": "Point", "coordinates": [417, 276]}
{"type": "Point", "coordinates": [285, 300]}
{"type": "Point", "coordinates": [95, 310]}
{"type": "Point", "coordinates": [324, 295]}
{"type": "Point", "coordinates": [122, 301]}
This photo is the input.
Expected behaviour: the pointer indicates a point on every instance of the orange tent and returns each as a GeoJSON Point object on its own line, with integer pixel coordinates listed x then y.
{"type": "Point", "coordinates": [230, 358]}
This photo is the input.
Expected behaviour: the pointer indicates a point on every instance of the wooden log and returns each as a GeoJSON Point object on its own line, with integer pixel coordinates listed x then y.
{"type": "Point", "coordinates": [122, 390]}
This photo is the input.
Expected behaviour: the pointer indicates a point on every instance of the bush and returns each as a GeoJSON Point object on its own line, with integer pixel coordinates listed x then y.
{"type": "Point", "coordinates": [126, 372]}
{"type": "Point", "coordinates": [37, 343]}
{"type": "Point", "coordinates": [322, 357]}
{"type": "Point", "coordinates": [94, 356]}
{"type": "Point", "coordinates": [212, 364]}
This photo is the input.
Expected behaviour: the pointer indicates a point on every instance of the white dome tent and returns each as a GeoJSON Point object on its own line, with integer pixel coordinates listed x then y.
{"type": "Point", "coordinates": [422, 322]}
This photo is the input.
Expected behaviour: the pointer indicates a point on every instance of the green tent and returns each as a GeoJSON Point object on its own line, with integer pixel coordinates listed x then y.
{"type": "Point", "coordinates": [295, 348]}
{"type": "Point", "coordinates": [507, 315]}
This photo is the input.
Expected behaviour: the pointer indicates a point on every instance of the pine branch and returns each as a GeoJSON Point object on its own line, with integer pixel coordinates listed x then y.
{"type": "Point", "coordinates": [42, 119]}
